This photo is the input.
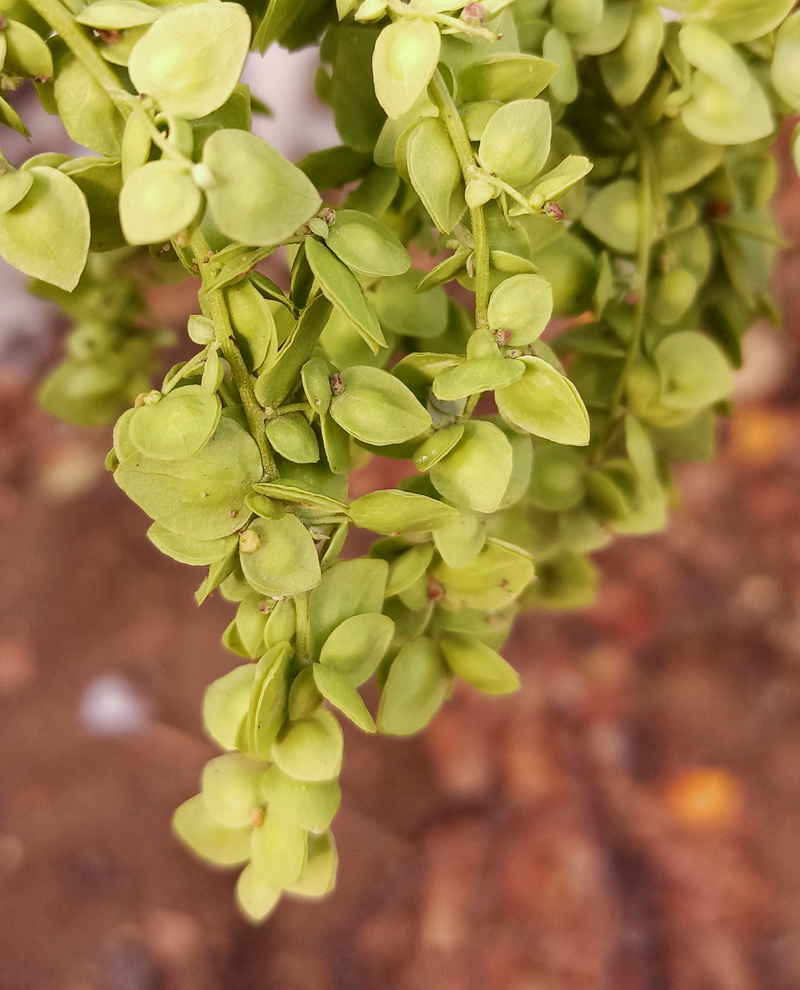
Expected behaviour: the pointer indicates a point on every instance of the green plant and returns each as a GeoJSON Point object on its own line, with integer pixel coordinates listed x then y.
{"type": "Point", "coordinates": [470, 132]}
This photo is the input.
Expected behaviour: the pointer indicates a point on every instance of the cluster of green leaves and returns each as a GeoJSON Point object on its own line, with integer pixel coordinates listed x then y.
{"type": "Point", "coordinates": [469, 132]}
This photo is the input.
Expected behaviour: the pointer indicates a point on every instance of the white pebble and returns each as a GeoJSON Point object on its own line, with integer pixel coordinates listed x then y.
{"type": "Point", "coordinates": [111, 707]}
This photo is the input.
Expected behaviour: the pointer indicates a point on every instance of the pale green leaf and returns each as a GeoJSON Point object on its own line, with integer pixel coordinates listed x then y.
{"type": "Point", "coordinates": [285, 562]}
{"type": "Point", "coordinates": [205, 836]}
{"type": "Point", "coordinates": [546, 404]}
{"type": "Point", "coordinates": [258, 197]}
{"type": "Point", "coordinates": [476, 472]}
{"type": "Point", "coordinates": [405, 57]}
{"type": "Point", "coordinates": [522, 305]}
{"type": "Point", "coordinates": [516, 141]}
{"type": "Point", "coordinates": [417, 684]}
{"type": "Point", "coordinates": [190, 60]}
{"type": "Point", "coordinates": [310, 748]}
{"type": "Point", "coordinates": [395, 511]}
{"type": "Point", "coordinates": [340, 693]}
{"type": "Point", "coordinates": [46, 235]}
{"type": "Point", "coordinates": [478, 664]}
{"type": "Point", "coordinates": [375, 407]}
{"type": "Point", "coordinates": [357, 645]}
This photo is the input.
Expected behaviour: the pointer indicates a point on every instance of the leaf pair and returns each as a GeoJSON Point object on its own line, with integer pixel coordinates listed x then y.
{"type": "Point", "coordinates": [254, 194]}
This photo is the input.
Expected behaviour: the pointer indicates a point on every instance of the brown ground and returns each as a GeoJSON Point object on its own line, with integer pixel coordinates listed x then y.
{"type": "Point", "coordinates": [629, 821]}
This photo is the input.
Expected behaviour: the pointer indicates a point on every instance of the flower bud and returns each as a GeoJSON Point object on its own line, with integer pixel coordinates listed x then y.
{"type": "Point", "coordinates": [479, 192]}
{"type": "Point", "coordinates": [553, 210]}
{"type": "Point", "coordinates": [474, 13]}
{"type": "Point", "coordinates": [371, 10]}
{"type": "Point", "coordinates": [318, 227]}
{"type": "Point", "coordinates": [249, 541]}
{"type": "Point", "coordinates": [203, 176]}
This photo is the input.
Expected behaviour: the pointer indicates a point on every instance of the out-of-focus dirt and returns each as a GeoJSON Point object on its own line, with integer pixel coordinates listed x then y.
{"type": "Point", "coordinates": [629, 821]}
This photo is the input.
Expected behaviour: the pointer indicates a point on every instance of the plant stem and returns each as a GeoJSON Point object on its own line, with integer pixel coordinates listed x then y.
{"type": "Point", "coordinates": [301, 633]}
{"type": "Point", "coordinates": [293, 407]}
{"type": "Point", "coordinates": [512, 192]}
{"type": "Point", "coordinates": [75, 38]}
{"type": "Point", "coordinates": [191, 366]}
{"type": "Point", "coordinates": [223, 334]}
{"type": "Point", "coordinates": [466, 159]}
{"type": "Point", "coordinates": [646, 234]}
{"type": "Point", "coordinates": [455, 24]}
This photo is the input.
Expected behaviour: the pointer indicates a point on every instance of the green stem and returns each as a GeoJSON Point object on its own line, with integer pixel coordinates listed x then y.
{"type": "Point", "coordinates": [466, 159]}
{"type": "Point", "coordinates": [192, 365]}
{"type": "Point", "coordinates": [461, 27]}
{"type": "Point", "coordinates": [75, 38]}
{"type": "Point", "coordinates": [223, 333]}
{"type": "Point", "coordinates": [302, 634]}
{"type": "Point", "coordinates": [455, 24]}
{"type": "Point", "coordinates": [512, 192]}
{"type": "Point", "coordinates": [165, 147]}
{"type": "Point", "coordinates": [293, 407]}
{"type": "Point", "coordinates": [645, 246]}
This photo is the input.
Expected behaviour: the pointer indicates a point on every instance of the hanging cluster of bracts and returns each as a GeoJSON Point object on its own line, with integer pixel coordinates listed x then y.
{"type": "Point", "coordinates": [595, 161]}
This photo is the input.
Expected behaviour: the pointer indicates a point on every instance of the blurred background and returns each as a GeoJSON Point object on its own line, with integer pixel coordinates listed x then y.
{"type": "Point", "coordinates": [629, 821]}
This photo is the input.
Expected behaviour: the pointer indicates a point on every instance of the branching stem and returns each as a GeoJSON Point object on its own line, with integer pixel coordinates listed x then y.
{"type": "Point", "coordinates": [75, 38]}
{"type": "Point", "coordinates": [301, 633]}
{"type": "Point", "coordinates": [645, 246]}
{"type": "Point", "coordinates": [223, 334]}
{"type": "Point", "coordinates": [466, 159]}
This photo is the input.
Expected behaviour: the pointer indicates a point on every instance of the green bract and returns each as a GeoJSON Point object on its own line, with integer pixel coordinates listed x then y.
{"type": "Point", "coordinates": [417, 684]}
{"type": "Point", "coordinates": [510, 76]}
{"type": "Point", "coordinates": [786, 62]}
{"type": "Point", "coordinates": [516, 141]}
{"type": "Point", "coordinates": [285, 561]}
{"type": "Point", "coordinates": [311, 806]}
{"type": "Point", "coordinates": [256, 195]}
{"type": "Point", "coordinates": [117, 15]}
{"type": "Point", "coordinates": [310, 748]}
{"type": "Point", "coordinates": [337, 690]}
{"type": "Point", "coordinates": [46, 234]}
{"type": "Point", "coordinates": [356, 646]}
{"type": "Point", "coordinates": [613, 216]}
{"type": "Point", "coordinates": [403, 62]}
{"type": "Point", "coordinates": [366, 245]}
{"type": "Point", "coordinates": [475, 473]}
{"type": "Point", "coordinates": [739, 20]}
{"type": "Point", "coordinates": [476, 375]}
{"type": "Point", "coordinates": [435, 173]}
{"type": "Point", "coordinates": [545, 403]}
{"type": "Point", "coordinates": [177, 425]}
{"type": "Point", "coordinates": [340, 286]}
{"type": "Point", "coordinates": [479, 664]}
{"type": "Point", "coordinates": [531, 380]}
{"type": "Point", "coordinates": [494, 578]}
{"type": "Point", "coordinates": [14, 186]}
{"type": "Point", "coordinates": [88, 113]}
{"type": "Point", "coordinates": [157, 202]}
{"type": "Point", "coordinates": [522, 305]}
{"type": "Point", "coordinates": [399, 512]}
{"type": "Point", "coordinates": [190, 60]}
{"type": "Point", "coordinates": [628, 69]}
{"type": "Point", "coordinates": [208, 838]}
{"type": "Point", "coordinates": [202, 496]}
{"type": "Point", "coordinates": [375, 407]}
